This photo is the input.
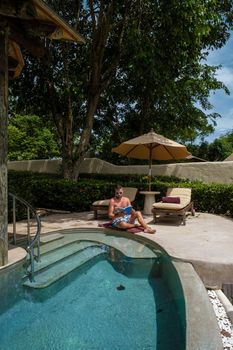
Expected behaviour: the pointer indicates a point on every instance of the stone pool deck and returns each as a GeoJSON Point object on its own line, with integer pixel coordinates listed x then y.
{"type": "Point", "coordinates": [206, 241]}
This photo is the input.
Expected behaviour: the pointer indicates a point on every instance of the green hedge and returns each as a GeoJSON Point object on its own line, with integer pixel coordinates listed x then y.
{"type": "Point", "coordinates": [51, 191]}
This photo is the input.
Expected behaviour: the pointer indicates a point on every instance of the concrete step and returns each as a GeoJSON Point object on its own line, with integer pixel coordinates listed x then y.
{"type": "Point", "coordinates": [50, 238]}
{"type": "Point", "coordinates": [50, 275]}
{"type": "Point", "coordinates": [60, 243]}
{"type": "Point", "coordinates": [59, 254]}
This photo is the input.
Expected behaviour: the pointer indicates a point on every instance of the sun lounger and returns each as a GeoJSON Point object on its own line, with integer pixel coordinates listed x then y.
{"type": "Point", "coordinates": [176, 203]}
{"type": "Point", "coordinates": [102, 205]}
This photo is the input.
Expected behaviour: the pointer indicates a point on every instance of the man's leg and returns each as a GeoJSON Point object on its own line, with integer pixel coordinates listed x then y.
{"type": "Point", "coordinates": [125, 225]}
{"type": "Point", "coordinates": [137, 215]}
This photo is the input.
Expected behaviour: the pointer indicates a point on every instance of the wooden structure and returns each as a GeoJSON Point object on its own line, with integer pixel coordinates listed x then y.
{"type": "Point", "coordinates": [173, 208]}
{"type": "Point", "coordinates": [23, 24]}
{"type": "Point", "coordinates": [178, 212]}
{"type": "Point", "coordinates": [229, 158]}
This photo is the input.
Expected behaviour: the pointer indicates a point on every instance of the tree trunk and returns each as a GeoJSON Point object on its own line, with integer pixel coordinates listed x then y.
{"type": "Point", "coordinates": [3, 144]}
{"type": "Point", "coordinates": [86, 135]}
{"type": "Point", "coordinates": [67, 164]}
{"type": "Point", "coordinates": [65, 130]}
{"type": "Point", "coordinates": [99, 78]}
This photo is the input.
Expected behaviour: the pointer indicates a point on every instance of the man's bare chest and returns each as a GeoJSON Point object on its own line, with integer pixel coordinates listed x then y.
{"type": "Point", "coordinates": [121, 204]}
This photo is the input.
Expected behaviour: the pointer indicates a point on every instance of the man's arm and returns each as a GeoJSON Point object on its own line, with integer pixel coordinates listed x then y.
{"type": "Point", "coordinates": [111, 214]}
{"type": "Point", "coordinates": [128, 202]}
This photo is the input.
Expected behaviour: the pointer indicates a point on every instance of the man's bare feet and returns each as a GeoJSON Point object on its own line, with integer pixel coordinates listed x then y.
{"type": "Point", "coordinates": [149, 230]}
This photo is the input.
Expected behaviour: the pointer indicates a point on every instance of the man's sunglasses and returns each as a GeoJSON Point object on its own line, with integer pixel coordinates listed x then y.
{"type": "Point", "coordinates": [119, 192]}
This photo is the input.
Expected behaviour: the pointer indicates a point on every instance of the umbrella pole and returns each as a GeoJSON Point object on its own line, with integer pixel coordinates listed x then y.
{"type": "Point", "coordinates": [149, 180]}
{"type": "Point", "coordinates": [150, 167]}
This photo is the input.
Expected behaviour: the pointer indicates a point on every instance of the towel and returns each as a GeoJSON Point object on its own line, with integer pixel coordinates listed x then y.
{"type": "Point", "coordinates": [131, 230]}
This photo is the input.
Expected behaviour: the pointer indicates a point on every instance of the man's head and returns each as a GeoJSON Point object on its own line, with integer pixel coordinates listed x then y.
{"type": "Point", "coordinates": [118, 191]}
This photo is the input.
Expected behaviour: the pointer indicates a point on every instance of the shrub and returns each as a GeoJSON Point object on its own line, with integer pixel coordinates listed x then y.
{"type": "Point", "coordinates": [54, 192]}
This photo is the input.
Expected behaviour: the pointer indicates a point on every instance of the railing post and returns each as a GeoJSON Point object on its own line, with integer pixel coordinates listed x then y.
{"type": "Point", "coordinates": [14, 220]}
{"type": "Point", "coordinates": [31, 241]}
{"type": "Point", "coordinates": [38, 241]}
{"type": "Point", "coordinates": [28, 224]}
{"type": "Point", "coordinates": [32, 263]}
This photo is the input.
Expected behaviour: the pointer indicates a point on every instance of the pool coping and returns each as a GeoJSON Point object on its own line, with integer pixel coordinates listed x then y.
{"type": "Point", "coordinates": [16, 256]}
{"type": "Point", "coordinates": [202, 330]}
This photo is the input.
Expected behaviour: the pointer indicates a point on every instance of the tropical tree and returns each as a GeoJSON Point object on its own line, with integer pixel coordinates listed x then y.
{"type": "Point", "coordinates": [221, 148]}
{"type": "Point", "coordinates": [217, 150]}
{"type": "Point", "coordinates": [28, 138]}
{"type": "Point", "coordinates": [140, 68]}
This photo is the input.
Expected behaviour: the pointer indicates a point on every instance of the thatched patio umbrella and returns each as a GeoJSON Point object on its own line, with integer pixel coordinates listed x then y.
{"type": "Point", "coordinates": [151, 146]}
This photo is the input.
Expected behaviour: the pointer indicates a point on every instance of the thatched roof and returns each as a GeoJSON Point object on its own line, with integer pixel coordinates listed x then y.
{"type": "Point", "coordinates": [229, 158]}
{"type": "Point", "coordinates": [62, 31]}
{"type": "Point", "coordinates": [15, 60]}
{"type": "Point", "coordinates": [195, 159]}
{"type": "Point", "coordinates": [28, 22]}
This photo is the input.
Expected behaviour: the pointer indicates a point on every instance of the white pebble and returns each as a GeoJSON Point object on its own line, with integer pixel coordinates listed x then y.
{"type": "Point", "coordinates": [224, 323]}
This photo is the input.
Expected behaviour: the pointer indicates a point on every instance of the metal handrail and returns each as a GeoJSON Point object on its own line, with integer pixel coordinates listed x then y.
{"type": "Point", "coordinates": [31, 242]}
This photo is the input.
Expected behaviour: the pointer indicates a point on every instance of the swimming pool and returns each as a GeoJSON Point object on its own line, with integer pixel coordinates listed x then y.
{"type": "Point", "coordinates": [128, 296]}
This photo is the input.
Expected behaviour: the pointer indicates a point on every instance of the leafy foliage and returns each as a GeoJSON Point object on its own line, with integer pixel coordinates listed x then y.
{"type": "Point", "coordinates": [143, 66]}
{"type": "Point", "coordinates": [28, 138]}
{"type": "Point", "coordinates": [218, 150]}
{"type": "Point", "coordinates": [51, 191]}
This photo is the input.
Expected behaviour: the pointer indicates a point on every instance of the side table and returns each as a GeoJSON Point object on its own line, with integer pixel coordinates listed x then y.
{"type": "Point", "coordinates": [149, 201]}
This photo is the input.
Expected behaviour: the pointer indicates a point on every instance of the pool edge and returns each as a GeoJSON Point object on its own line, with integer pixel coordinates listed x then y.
{"type": "Point", "coordinates": [202, 331]}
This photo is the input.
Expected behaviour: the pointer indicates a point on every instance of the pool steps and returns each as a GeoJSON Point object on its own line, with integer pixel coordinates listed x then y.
{"type": "Point", "coordinates": [49, 238]}
{"type": "Point", "coordinates": [60, 247]}
{"type": "Point", "coordinates": [58, 243]}
{"type": "Point", "coordinates": [52, 274]}
{"type": "Point", "coordinates": [60, 256]}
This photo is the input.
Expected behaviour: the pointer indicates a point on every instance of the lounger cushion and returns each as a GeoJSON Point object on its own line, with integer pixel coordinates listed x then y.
{"type": "Point", "coordinates": [183, 193]}
{"type": "Point", "coordinates": [103, 202]}
{"type": "Point", "coordinates": [172, 206]}
{"type": "Point", "coordinates": [129, 192]}
{"type": "Point", "coordinates": [171, 200]}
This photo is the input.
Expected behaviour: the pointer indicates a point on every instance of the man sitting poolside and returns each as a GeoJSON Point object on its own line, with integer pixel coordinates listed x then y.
{"type": "Point", "coordinates": [122, 220]}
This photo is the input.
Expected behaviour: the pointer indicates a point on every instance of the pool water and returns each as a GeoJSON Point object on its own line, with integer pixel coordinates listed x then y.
{"type": "Point", "coordinates": [105, 305]}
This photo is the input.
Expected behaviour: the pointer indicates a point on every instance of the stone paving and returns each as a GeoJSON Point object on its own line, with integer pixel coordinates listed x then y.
{"type": "Point", "coordinates": [206, 240]}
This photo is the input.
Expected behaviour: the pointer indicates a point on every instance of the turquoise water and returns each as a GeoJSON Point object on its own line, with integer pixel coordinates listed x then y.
{"type": "Point", "coordinates": [105, 305]}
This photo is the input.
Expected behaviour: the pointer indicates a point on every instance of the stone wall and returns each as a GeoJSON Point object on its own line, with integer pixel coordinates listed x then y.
{"type": "Point", "coordinates": [210, 172]}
